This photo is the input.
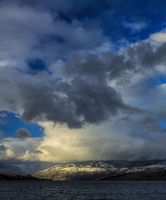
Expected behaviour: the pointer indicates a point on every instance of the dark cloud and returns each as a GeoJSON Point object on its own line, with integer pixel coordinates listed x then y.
{"type": "Point", "coordinates": [36, 65]}
{"type": "Point", "coordinates": [147, 55]}
{"type": "Point", "coordinates": [74, 103]}
{"type": "Point", "coordinates": [107, 15]}
{"type": "Point", "coordinates": [43, 102]}
{"type": "Point", "coordinates": [2, 134]}
{"type": "Point", "coordinates": [84, 94]}
{"type": "Point", "coordinates": [2, 148]}
{"type": "Point", "coordinates": [23, 36]}
{"type": "Point", "coordinates": [52, 69]}
{"type": "Point", "coordinates": [107, 66]}
{"type": "Point", "coordinates": [93, 102]}
{"type": "Point", "coordinates": [23, 133]}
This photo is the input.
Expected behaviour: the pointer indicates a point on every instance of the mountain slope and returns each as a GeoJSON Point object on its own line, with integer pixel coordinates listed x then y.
{"type": "Point", "coordinates": [101, 170]}
{"type": "Point", "coordinates": [10, 170]}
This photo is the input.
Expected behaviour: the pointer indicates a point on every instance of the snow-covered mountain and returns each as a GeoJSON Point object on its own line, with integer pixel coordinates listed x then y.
{"type": "Point", "coordinates": [96, 170]}
{"type": "Point", "coordinates": [87, 170]}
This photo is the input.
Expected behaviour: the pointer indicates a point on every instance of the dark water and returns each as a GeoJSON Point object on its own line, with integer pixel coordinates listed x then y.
{"type": "Point", "coordinates": [49, 190]}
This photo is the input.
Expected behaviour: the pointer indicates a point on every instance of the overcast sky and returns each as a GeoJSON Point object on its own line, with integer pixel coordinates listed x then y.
{"type": "Point", "coordinates": [82, 80]}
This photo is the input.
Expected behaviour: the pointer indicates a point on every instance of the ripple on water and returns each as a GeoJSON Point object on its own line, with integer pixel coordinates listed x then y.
{"type": "Point", "coordinates": [83, 190]}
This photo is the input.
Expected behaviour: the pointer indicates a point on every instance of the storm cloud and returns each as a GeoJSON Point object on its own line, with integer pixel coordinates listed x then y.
{"type": "Point", "coordinates": [84, 91]}
{"type": "Point", "coordinates": [60, 65]}
{"type": "Point", "coordinates": [23, 133]}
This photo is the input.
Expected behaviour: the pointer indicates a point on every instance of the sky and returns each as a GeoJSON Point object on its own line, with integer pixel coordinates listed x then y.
{"type": "Point", "coordinates": [82, 80]}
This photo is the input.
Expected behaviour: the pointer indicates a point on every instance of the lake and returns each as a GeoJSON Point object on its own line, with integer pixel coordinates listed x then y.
{"type": "Point", "coordinates": [82, 190]}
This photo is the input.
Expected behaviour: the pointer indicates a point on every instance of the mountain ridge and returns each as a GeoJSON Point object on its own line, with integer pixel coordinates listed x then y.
{"type": "Point", "coordinates": [88, 170]}
{"type": "Point", "coordinates": [103, 170]}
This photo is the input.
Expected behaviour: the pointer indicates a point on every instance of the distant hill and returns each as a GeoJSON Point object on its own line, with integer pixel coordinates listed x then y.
{"type": "Point", "coordinates": [18, 167]}
{"type": "Point", "coordinates": [106, 170]}
{"type": "Point", "coordinates": [16, 177]}
{"type": "Point", "coordinates": [143, 175]}
{"type": "Point", "coordinates": [7, 169]}
{"type": "Point", "coordinates": [85, 170]}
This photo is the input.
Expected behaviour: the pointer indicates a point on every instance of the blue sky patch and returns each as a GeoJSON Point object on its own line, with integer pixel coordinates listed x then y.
{"type": "Point", "coordinates": [36, 65]}
{"type": "Point", "coordinates": [156, 80]}
{"type": "Point", "coordinates": [11, 122]}
{"type": "Point", "coordinates": [111, 16]}
{"type": "Point", "coordinates": [163, 124]}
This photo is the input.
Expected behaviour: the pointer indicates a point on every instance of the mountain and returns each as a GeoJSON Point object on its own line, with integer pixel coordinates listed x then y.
{"type": "Point", "coordinates": [7, 169]}
{"type": "Point", "coordinates": [106, 170]}
{"type": "Point", "coordinates": [86, 170]}
{"type": "Point", "coordinates": [140, 175]}
{"type": "Point", "coordinates": [16, 177]}
{"type": "Point", "coordinates": [18, 167]}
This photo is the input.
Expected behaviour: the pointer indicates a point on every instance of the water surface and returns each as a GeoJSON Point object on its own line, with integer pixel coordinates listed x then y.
{"type": "Point", "coordinates": [83, 190]}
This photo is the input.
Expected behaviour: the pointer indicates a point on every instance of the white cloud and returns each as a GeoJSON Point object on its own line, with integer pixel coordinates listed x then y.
{"type": "Point", "coordinates": [159, 37]}
{"type": "Point", "coordinates": [23, 33]}
{"type": "Point", "coordinates": [102, 142]}
{"type": "Point", "coordinates": [21, 149]}
{"type": "Point", "coordinates": [135, 26]}
{"type": "Point", "coordinates": [28, 32]}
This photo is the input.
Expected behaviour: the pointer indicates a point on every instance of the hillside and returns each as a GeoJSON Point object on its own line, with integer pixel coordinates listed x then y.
{"type": "Point", "coordinates": [105, 170]}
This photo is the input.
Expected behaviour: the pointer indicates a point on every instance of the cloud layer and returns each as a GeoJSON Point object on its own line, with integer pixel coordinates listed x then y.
{"type": "Point", "coordinates": [59, 66]}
